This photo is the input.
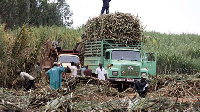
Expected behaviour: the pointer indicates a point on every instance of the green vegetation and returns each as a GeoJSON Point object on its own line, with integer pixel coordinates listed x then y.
{"type": "Point", "coordinates": [21, 48]}
{"type": "Point", "coordinates": [175, 53]}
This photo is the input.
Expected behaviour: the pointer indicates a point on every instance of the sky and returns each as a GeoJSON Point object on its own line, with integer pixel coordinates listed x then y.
{"type": "Point", "coordinates": [164, 16]}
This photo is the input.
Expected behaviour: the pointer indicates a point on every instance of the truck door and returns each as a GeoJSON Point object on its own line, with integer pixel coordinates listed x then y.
{"type": "Point", "coordinates": [149, 61]}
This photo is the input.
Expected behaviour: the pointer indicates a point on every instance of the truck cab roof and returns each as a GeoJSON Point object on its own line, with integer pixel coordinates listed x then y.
{"type": "Point", "coordinates": [122, 49]}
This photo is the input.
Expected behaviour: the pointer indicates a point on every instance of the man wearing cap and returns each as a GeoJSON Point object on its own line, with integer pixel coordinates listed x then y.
{"type": "Point", "coordinates": [141, 86]}
{"type": "Point", "coordinates": [25, 76]}
{"type": "Point", "coordinates": [101, 72]}
{"type": "Point", "coordinates": [87, 72]}
{"type": "Point", "coordinates": [55, 75]}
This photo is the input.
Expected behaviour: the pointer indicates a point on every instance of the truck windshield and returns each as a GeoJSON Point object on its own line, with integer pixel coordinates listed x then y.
{"type": "Point", "coordinates": [68, 59]}
{"type": "Point", "coordinates": [126, 55]}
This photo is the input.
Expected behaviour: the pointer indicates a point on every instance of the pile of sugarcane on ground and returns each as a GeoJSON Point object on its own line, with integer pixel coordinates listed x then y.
{"type": "Point", "coordinates": [91, 94]}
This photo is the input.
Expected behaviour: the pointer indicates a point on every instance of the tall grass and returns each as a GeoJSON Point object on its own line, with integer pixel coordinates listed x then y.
{"type": "Point", "coordinates": [21, 48]}
{"type": "Point", "coordinates": [175, 53]}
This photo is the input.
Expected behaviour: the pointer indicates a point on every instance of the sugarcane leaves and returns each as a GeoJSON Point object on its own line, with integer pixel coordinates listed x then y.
{"type": "Point", "coordinates": [20, 42]}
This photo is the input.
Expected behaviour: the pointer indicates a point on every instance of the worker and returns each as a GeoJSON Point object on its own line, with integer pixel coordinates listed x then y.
{"type": "Point", "coordinates": [73, 69]}
{"type": "Point", "coordinates": [25, 76]}
{"type": "Point", "coordinates": [141, 86]}
{"type": "Point", "coordinates": [55, 75]}
{"type": "Point", "coordinates": [82, 69]}
{"type": "Point", "coordinates": [67, 72]}
{"type": "Point", "coordinates": [101, 72]}
{"type": "Point", "coordinates": [78, 69]}
{"type": "Point", "coordinates": [105, 6]}
{"type": "Point", "coordinates": [37, 72]}
{"type": "Point", "coordinates": [87, 72]}
{"type": "Point", "coordinates": [58, 46]}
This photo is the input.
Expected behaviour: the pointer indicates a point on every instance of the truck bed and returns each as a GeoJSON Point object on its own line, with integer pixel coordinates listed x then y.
{"type": "Point", "coordinates": [98, 47]}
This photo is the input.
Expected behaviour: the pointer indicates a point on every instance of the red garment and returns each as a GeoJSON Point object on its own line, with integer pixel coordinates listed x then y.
{"type": "Point", "coordinates": [87, 72]}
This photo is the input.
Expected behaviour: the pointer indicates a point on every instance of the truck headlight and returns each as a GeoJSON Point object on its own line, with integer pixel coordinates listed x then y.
{"type": "Point", "coordinates": [115, 73]}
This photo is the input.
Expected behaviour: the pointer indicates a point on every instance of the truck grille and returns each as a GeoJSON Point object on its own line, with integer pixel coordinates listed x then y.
{"type": "Point", "coordinates": [130, 70]}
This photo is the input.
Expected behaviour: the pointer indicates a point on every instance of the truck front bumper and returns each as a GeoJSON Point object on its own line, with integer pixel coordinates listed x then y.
{"type": "Point", "coordinates": [122, 79]}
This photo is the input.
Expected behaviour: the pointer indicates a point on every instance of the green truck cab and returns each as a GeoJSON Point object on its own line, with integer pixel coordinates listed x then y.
{"type": "Point", "coordinates": [123, 60]}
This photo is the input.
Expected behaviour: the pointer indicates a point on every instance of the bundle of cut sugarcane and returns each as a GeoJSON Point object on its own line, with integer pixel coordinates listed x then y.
{"type": "Point", "coordinates": [116, 26]}
{"type": "Point", "coordinates": [175, 85]}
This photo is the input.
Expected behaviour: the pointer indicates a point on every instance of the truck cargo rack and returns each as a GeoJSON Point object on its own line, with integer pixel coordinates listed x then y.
{"type": "Point", "coordinates": [96, 47]}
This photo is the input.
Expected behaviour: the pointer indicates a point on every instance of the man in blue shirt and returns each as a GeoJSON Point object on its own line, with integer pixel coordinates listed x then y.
{"type": "Point", "coordinates": [55, 75]}
{"type": "Point", "coordinates": [105, 6]}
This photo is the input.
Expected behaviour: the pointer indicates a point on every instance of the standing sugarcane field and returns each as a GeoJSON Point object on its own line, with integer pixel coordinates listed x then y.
{"type": "Point", "coordinates": [109, 64]}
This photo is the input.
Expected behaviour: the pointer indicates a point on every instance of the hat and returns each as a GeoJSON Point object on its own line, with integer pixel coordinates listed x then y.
{"type": "Point", "coordinates": [85, 65]}
{"type": "Point", "coordinates": [143, 75]}
{"type": "Point", "coordinates": [55, 63]}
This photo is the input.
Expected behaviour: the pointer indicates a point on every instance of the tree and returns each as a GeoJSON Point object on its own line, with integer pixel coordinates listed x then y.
{"type": "Point", "coordinates": [65, 12]}
{"type": "Point", "coordinates": [34, 12]}
{"type": "Point", "coordinates": [12, 12]}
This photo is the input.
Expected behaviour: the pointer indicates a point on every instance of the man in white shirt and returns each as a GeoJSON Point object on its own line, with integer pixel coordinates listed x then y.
{"type": "Point", "coordinates": [101, 72]}
{"type": "Point", "coordinates": [73, 69]}
{"type": "Point", "coordinates": [30, 84]}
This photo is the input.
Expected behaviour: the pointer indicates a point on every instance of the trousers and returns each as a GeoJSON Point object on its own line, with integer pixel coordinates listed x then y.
{"type": "Point", "coordinates": [105, 8]}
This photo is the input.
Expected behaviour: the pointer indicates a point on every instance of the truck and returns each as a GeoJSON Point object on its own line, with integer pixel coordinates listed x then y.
{"type": "Point", "coordinates": [124, 60]}
{"type": "Point", "coordinates": [64, 56]}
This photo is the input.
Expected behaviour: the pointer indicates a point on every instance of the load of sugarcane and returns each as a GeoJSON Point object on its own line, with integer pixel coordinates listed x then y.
{"type": "Point", "coordinates": [113, 26]}
{"type": "Point", "coordinates": [122, 29]}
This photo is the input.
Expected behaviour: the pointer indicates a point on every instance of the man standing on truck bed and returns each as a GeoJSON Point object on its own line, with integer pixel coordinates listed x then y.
{"type": "Point", "coordinates": [58, 46]}
{"type": "Point", "coordinates": [105, 6]}
{"type": "Point", "coordinates": [55, 75]}
{"type": "Point", "coordinates": [141, 86]}
{"type": "Point", "coordinates": [101, 72]}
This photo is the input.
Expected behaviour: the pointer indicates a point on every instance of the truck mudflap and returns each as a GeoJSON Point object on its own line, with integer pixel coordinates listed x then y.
{"type": "Point", "coordinates": [121, 79]}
